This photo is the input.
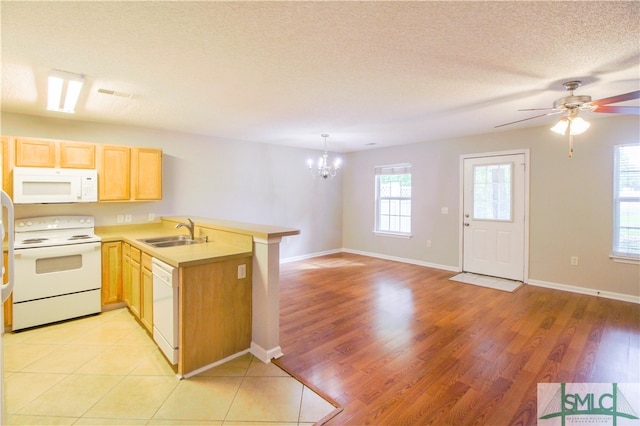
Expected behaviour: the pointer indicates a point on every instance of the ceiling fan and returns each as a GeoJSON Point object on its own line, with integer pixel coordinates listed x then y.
{"type": "Point", "coordinates": [571, 123]}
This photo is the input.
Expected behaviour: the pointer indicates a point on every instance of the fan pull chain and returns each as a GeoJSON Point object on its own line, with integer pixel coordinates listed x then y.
{"type": "Point", "coordinates": [570, 145]}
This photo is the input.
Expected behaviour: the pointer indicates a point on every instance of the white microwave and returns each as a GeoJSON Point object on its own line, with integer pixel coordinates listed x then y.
{"type": "Point", "coordinates": [33, 185]}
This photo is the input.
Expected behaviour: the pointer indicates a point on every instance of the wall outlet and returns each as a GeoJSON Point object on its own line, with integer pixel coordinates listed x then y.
{"type": "Point", "coordinates": [428, 243]}
{"type": "Point", "coordinates": [127, 218]}
{"type": "Point", "coordinates": [151, 217]}
{"type": "Point", "coordinates": [242, 271]}
{"type": "Point", "coordinates": [444, 210]}
{"type": "Point", "coordinates": [574, 260]}
{"type": "Point", "coordinates": [120, 218]}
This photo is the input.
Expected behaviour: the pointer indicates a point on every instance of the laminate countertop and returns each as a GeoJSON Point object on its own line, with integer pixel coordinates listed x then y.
{"type": "Point", "coordinates": [227, 239]}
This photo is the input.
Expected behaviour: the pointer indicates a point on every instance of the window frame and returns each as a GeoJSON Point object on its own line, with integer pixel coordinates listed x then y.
{"type": "Point", "coordinates": [617, 253]}
{"type": "Point", "coordinates": [389, 170]}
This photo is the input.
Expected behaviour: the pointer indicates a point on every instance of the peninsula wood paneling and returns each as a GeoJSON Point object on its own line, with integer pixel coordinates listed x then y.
{"type": "Point", "coordinates": [215, 313]}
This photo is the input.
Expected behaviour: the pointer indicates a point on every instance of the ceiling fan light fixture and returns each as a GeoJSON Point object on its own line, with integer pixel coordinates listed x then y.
{"type": "Point", "coordinates": [561, 126]}
{"type": "Point", "coordinates": [578, 126]}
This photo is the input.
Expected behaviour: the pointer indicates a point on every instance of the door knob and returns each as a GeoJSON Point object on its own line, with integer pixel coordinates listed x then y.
{"type": "Point", "coordinates": [466, 224]}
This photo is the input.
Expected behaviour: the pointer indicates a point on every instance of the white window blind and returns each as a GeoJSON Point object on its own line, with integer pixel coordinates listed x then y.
{"type": "Point", "coordinates": [393, 199]}
{"type": "Point", "coordinates": [626, 201]}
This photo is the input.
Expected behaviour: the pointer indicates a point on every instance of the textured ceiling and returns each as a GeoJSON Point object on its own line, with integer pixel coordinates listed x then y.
{"type": "Point", "coordinates": [383, 73]}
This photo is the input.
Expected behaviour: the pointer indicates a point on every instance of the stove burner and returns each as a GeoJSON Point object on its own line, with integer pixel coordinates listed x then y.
{"type": "Point", "coordinates": [34, 240]}
{"type": "Point", "coordinates": [80, 237]}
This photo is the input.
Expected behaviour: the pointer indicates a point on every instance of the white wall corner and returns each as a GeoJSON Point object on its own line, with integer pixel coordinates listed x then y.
{"type": "Point", "coordinates": [265, 355]}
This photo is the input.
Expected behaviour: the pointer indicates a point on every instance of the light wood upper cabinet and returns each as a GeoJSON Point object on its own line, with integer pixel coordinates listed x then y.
{"type": "Point", "coordinates": [111, 272]}
{"type": "Point", "coordinates": [129, 173]}
{"type": "Point", "coordinates": [35, 152]}
{"type": "Point", "coordinates": [77, 155]}
{"type": "Point", "coordinates": [124, 173]}
{"type": "Point", "coordinates": [146, 173]}
{"type": "Point", "coordinates": [114, 165]}
{"type": "Point", "coordinates": [31, 152]}
{"type": "Point", "coordinates": [6, 143]}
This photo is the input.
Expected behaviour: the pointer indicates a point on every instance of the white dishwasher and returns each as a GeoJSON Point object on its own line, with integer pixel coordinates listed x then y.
{"type": "Point", "coordinates": [165, 308]}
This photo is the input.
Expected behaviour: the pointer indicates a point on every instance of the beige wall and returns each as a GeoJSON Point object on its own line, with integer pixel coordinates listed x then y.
{"type": "Point", "coordinates": [209, 177]}
{"type": "Point", "coordinates": [570, 203]}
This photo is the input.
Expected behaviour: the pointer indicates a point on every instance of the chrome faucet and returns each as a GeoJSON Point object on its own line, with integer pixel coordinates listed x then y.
{"type": "Point", "coordinates": [189, 227]}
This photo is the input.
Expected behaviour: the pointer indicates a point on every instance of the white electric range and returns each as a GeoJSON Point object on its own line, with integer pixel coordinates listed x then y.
{"type": "Point", "coordinates": [58, 270]}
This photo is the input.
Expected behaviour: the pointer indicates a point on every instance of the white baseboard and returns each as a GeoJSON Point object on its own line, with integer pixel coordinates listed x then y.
{"type": "Point", "coordinates": [403, 260]}
{"type": "Point", "coordinates": [309, 256]}
{"type": "Point", "coordinates": [214, 364]}
{"type": "Point", "coordinates": [583, 290]}
{"type": "Point", "coordinates": [265, 355]}
{"type": "Point", "coordinates": [370, 254]}
{"type": "Point", "coordinates": [563, 287]}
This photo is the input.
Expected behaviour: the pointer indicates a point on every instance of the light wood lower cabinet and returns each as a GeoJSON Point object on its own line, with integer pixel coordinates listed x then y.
{"type": "Point", "coordinates": [136, 293]}
{"type": "Point", "coordinates": [137, 284]}
{"type": "Point", "coordinates": [126, 273]}
{"type": "Point", "coordinates": [146, 289]}
{"type": "Point", "coordinates": [215, 311]}
{"type": "Point", "coordinates": [111, 272]}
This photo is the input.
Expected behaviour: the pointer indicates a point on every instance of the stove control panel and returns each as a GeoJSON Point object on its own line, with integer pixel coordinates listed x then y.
{"type": "Point", "coordinates": [47, 223]}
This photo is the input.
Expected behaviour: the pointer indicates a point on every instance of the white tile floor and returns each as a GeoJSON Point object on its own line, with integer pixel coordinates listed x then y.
{"type": "Point", "coordinates": [106, 370]}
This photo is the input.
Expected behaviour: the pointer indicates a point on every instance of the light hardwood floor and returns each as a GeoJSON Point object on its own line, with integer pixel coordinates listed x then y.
{"type": "Point", "coordinates": [395, 343]}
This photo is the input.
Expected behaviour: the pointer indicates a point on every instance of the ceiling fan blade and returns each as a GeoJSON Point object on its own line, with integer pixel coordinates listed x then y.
{"type": "Point", "coordinates": [530, 118]}
{"type": "Point", "coordinates": [537, 109]}
{"type": "Point", "coordinates": [612, 109]}
{"type": "Point", "coordinates": [615, 99]}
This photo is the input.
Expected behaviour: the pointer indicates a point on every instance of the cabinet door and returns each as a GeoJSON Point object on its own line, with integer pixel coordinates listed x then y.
{"type": "Point", "coordinates": [146, 173]}
{"type": "Point", "coordinates": [126, 273]}
{"type": "Point", "coordinates": [136, 293]}
{"type": "Point", "coordinates": [77, 155]}
{"type": "Point", "coordinates": [7, 149]}
{"type": "Point", "coordinates": [111, 272]}
{"type": "Point", "coordinates": [114, 164]}
{"type": "Point", "coordinates": [146, 316]}
{"type": "Point", "coordinates": [35, 153]}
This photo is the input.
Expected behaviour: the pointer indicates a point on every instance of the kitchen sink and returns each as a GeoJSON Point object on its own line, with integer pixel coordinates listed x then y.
{"type": "Point", "coordinates": [169, 241]}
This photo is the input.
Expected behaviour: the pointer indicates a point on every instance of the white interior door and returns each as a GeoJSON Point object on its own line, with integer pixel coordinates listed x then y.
{"type": "Point", "coordinates": [494, 216]}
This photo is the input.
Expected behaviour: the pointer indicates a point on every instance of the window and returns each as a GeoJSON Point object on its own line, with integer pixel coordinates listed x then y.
{"type": "Point", "coordinates": [626, 201]}
{"type": "Point", "coordinates": [492, 192]}
{"type": "Point", "coordinates": [393, 199]}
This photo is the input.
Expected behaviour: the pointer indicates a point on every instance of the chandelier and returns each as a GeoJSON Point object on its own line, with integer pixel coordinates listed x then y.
{"type": "Point", "coordinates": [324, 169]}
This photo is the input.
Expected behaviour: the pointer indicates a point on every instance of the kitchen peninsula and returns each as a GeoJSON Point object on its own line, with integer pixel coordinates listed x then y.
{"type": "Point", "coordinates": [222, 311]}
